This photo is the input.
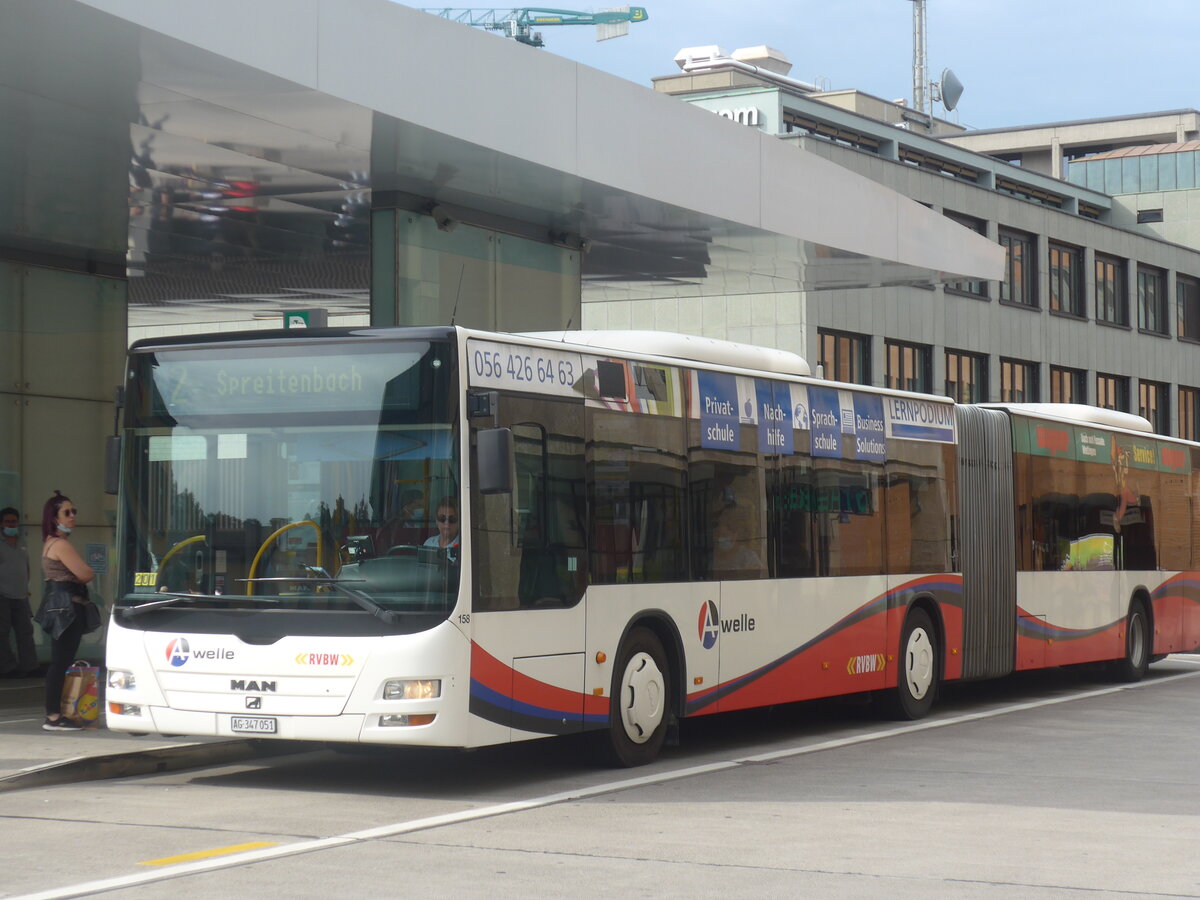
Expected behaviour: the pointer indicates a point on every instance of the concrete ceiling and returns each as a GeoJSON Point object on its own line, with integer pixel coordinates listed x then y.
{"type": "Point", "coordinates": [255, 163]}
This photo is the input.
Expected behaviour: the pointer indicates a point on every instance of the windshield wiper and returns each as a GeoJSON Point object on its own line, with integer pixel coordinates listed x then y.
{"type": "Point", "coordinates": [360, 598]}
{"type": "Point", "coordinates": [175, 598]}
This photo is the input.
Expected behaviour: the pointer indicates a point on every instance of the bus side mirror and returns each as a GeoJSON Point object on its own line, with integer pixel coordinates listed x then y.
{"type": "Point", "coordinates": [112, 463]}
{"type": "Point", "coordinates": [494, 458]}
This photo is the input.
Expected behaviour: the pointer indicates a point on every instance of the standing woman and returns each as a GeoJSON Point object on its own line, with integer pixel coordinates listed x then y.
{"type": "Point", "coordinates": [66, 613]}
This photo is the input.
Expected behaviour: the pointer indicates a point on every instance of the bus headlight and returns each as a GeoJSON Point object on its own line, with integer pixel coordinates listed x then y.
{"type": "Point", "coordinates": [121, 680]}
{"type": "Point", "coordinates": [413, 689]}
{"type": "Point", "coordinates": [407, 721]}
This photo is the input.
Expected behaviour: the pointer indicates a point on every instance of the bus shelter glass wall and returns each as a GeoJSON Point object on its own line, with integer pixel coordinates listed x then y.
{"type": "Point", "coordinates": [449, 271]}
{"type": "Point", "coordinates": [256, 475]}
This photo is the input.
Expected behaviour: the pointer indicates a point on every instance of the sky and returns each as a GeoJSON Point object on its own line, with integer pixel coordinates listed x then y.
{"type": "Point", "coordinates": [1023, 62]}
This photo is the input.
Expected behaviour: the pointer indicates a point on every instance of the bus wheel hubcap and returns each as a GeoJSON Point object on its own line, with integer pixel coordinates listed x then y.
{"type": "Point", "coordinates": [918, 663]}
{"type": "Point", "coordinates": [1137, 640]}
{"type": "Point", "coordinates": [642, 695]}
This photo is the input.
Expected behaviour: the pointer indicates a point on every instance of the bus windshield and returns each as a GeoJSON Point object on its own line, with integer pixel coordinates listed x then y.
{"type": "Point", "coordinates": [301, 476]}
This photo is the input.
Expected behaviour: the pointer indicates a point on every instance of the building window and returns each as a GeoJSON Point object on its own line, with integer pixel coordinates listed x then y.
{"type": "Point", "coordinates": [1149, 216]}
{"type": "Point", "coordinates": [979, 226]}
{"type": "Point", "coordinates": [1111, 303]}
{"type": "Point", "coordinates": [1018, 381]}
{"type": "Point", "coordinates": [1019, 284]}
{"type": "Point", "coordinates": [845, 357]}
{"type": "Point", "coordinates": [1152, 300]}
{"type": "Point", "coordinates": [1152, 405]}
{"type": "Point", "coordinates": [1187, 301]}
{"type": "Point", "coordinates": [908, 367]}
{"type": "Point", "coordinates": [1189, 412]}
{"type": "Point", "coordinates": [966, 377]}
{"type": "Point", "coordinates": [1067, 385]}
{"type": "Point", "coordinates": [1112, 392]}
{"type": "Point", "coordinates": [1066, 267]}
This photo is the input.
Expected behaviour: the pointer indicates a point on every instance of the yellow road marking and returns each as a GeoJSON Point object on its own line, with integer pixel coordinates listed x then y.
{"type": "Point", "coordinates": [207, 854]}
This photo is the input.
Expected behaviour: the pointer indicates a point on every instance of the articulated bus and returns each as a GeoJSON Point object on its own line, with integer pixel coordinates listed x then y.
{"type": "Point", "coordinates": [634, 528]}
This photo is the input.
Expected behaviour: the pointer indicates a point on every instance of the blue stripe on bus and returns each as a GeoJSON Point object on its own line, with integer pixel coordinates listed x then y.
{"type": "Point", "coordinates": [1032, 627]}
{"type": "Point", "coordinates": [486, 694]}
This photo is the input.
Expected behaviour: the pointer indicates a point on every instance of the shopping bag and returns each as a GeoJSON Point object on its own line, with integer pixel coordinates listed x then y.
{"type": "Point", "coordinates": [81, 692]}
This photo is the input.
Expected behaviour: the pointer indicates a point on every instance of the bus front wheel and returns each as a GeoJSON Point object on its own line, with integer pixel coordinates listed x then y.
{"type": "Point", "coordinates": [917, 679]}
{"type": "Point", "coordinates": [1137, 646]}
{"type": "Point", "coordinates": [638, 712]}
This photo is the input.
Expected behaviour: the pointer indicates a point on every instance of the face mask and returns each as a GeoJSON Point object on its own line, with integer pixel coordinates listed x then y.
{"type": "Point", "coordinates": [64, 529]}
{"type": "Point", "coordinates": [11, 532]}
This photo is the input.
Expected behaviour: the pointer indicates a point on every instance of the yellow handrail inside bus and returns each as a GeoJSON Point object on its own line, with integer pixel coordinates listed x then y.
{"type": "Point", "coordinates": [263, 549]}
{"type": "Point", "coordinates": [162, 566]}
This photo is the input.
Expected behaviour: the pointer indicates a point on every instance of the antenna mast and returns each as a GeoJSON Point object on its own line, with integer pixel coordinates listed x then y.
{"type": "Point", "coordinates": [920, 79]}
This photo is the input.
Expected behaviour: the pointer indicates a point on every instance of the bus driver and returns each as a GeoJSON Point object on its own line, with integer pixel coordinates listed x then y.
{"type": "Point", "coordinates": [447, 537]}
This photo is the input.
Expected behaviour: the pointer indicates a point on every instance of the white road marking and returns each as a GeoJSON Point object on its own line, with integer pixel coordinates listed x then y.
{"type": "Point", "coordinates": [583, 793]}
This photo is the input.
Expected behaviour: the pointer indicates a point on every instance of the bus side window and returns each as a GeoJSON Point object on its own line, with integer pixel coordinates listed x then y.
{"type": "Point", "coordinates": [637, 471]}
{"type": "Point", "coordinates": [917, 502]}
{"type": "Point", "coordinates": [726, 511]}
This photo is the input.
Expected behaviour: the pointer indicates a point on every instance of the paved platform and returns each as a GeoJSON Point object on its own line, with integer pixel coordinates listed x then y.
{"type": "Point", "coordinates": [32, 757]}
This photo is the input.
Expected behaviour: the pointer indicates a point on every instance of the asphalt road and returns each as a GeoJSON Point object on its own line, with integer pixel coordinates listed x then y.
{"type": "Point", "coordinates": [1056, 784]}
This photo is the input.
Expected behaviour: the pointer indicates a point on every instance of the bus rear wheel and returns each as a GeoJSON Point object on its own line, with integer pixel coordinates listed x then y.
{"type": "Point", "coordinates": [917, 680]}
{"type": "Point", "coordinates": [1137, 646]}
{"type": "Point", "coordinates": [639, 711]}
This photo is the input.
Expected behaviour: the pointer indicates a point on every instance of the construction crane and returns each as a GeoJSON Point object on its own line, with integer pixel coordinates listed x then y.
{"type": "Point", "coordinates": [518, 24]}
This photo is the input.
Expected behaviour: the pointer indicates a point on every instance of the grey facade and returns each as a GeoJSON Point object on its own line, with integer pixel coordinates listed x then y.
{"type": "Point", "coordinates": [1034, 335]}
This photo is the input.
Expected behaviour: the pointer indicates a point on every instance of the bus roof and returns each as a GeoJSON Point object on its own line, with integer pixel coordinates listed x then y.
{"type": "Point", "coordinates": [1078, 412]}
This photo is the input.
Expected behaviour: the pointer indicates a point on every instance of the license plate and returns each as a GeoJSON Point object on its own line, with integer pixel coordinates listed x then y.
{"type": "Point", "coordinates": [253, 724]}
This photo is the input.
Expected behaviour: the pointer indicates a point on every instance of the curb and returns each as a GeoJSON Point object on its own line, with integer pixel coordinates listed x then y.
{"type": "Point", "coordinates": [147, 762]}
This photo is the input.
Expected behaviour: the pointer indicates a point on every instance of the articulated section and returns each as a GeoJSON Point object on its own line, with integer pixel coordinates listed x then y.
{"type": "Point", "coordinates": [986, 550]}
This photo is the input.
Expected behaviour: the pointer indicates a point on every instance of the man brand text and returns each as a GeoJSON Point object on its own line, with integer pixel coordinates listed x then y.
{"type": "Point", "coordinates": [258, 687]}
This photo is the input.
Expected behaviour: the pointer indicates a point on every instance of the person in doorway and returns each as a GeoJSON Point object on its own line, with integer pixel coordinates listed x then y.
{"type": "Point", "coordinates": [447, 537]}
{"type": "Point", "coordinates": [15, 615]}
{"type": "Point", "coordinates": [66, 613]}
{"type": "Point", "coordinates": [412, 510]}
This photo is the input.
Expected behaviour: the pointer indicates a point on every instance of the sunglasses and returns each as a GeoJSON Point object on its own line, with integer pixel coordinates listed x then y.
{"type": "Point", "coordinates": [453, 520]}
{"type": "Point", "coordinates": [69, 512]}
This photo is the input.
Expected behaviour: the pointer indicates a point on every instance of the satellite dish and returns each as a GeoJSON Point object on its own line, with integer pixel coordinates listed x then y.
{"type": "Point", "coordinates": [952, 89]}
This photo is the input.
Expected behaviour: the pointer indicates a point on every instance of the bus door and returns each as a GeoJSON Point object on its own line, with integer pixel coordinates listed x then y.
{"type": "Point", "coordinates": [530, 563]}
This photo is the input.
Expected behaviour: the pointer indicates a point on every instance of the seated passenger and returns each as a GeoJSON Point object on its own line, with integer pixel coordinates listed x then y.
{"type": "Point", "coordinates": [447, 537]}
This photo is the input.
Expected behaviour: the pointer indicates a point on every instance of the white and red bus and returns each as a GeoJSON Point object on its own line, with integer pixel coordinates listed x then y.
{"type": "Point", "coordinates": [638, 527]}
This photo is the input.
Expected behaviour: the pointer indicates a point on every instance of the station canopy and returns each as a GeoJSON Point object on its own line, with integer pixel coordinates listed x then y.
{"type": "Point", "coordinates": [261, 135]}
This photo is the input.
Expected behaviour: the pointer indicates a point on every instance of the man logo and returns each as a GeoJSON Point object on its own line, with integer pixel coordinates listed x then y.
{"type": "Point", "coordinates": [709, 626]}
{"type": "Point", "coordinates": [178, 652]}
{"type": "Point", "coordinates": [258, 687]}
{"type": "Point", "coordinates": [254, 703]}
